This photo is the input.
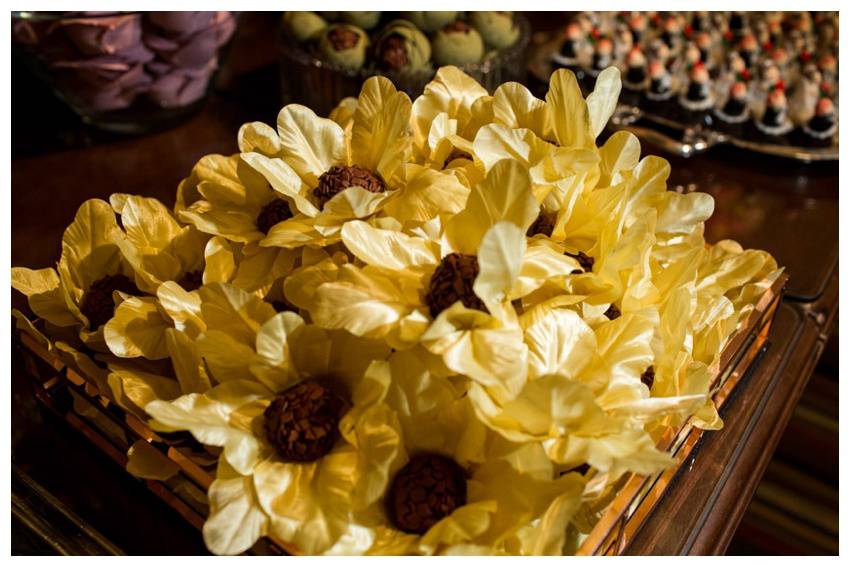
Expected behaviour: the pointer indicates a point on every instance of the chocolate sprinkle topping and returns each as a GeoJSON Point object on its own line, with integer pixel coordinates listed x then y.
{"type": "Point", "coordinates": [302, 422]}
{"type": "Point", "coordinates": [192, 280]}
{"type": "Point", "coordinates": [429, 488]}
{"type": "Point", "coordinates": [98, 305]}
{"type": "Point", "coordinates": [338, 178]}
{"type": "Point", "coordinates": [393, 54]}
{"type": "Point", "coordinates": [452, 282]}
{"type": "Point", "coordinates": [613, 312]}
{"type": "Point", "coordinates": [274, 212]}
{"type": "Point", "coordinates": [648, 377]}
{"type": "Point", "coordinates": [543, 224]}
{"type": "Point", "coordinates": [342, 38]}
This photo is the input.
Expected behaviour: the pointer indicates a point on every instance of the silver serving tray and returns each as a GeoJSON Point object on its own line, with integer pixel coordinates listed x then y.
{"type": "Point", "coordinates": [698, 139]}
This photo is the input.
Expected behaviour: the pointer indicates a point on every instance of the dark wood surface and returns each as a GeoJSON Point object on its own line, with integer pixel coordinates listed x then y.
{"type": "Point", "coordinates": [788, 209]}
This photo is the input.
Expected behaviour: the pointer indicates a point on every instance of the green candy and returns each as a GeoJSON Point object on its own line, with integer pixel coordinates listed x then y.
{"type": "Point", "coordinates": [429, 22]}
{"type": "Point", "coordinates": [344, 45]}
{"type": "Point", "coordinates": [401, 46]}
{"type": "Point", "coordinates": [364, 20]}
{"type": "Point", "coordinates": [303, 26]}
{"type": "Point", "coordinates": [457, 44]}
{"type": "Point", "coordinates": [496, 28]}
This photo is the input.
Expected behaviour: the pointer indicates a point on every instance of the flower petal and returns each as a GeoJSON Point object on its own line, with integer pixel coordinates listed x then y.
{"type": "Point", "coordinates": [387, 248]}
{"type": "Point", "coordinates": [311, 145]}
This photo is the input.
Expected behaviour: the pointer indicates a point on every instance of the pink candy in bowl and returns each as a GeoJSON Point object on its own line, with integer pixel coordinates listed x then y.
{"type": "Point", "coordinates": [125, 71]}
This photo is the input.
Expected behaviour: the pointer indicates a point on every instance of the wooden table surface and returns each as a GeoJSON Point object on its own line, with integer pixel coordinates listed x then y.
{"type": "Point", "coordinates": [788, 209]}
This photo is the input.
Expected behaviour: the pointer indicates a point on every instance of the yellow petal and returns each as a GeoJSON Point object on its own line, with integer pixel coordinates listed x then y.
{"type": "Point", "coordinates": [343, 113]}
{"type": "Point", "coordinates": [89, 250]}
{"type": "Point", "coordinates": [44, 294]}
{"type": "Point", "coordinates": [228, 308]}
{"type": "Point", "coordinates": [559, 342]}
{"type": "Point", "coordinates": [283, 179]}
{"type": "Point", "coordinates": [148, 223]}
{"type": "Point", "coordinates": [137, 329]}
{"type": "Point", "coordinates": [427, 194]}
{"type": "Point", "coordinates": [568, 111]}
{"type": "Point", "coordinates": [187, 362]}
{"type": "Point", "coordinates": [258, 137]}
{"type": "Point", "coordinates": [504, 195]}
{"type": "Point", "coordinates": [621, 152]}
{"type": "Point", "coordinates": [236, 521]}
{"type": "Point", "coordinates": [603, 100]}
{"type": "Point", "coordinates": [311, 145]}
{"type": "Point", "coordinates": [515, 107]}
{"type": "Point", "coordinates": [379, 138]}
{"type": "Point", "coordinates": [500, 257]}
{"type": "Point", "coordinates": [387, 248]}
{"type": "Point", "coordinates": [146, 462]}
{"type": "Point", "coordinates": [182, 306]}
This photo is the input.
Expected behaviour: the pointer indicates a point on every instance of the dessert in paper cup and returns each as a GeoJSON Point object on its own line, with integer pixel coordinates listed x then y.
{"type": "Point", "coordinates": [440, 326]}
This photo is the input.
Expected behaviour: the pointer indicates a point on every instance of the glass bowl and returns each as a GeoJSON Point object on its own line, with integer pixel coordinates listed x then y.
{"type": "Point", "coordinates": [306, 79]}
{"type": "Point", "coordinates": [126, 72]}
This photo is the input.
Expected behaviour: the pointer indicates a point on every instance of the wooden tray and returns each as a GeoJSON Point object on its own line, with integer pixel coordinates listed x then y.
{"type": "Point", "coordinates": [114, 431]}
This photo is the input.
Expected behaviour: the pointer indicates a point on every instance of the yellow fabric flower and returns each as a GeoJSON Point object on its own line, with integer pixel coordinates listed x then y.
{"type": "Point", "coordinates": [440, 429]}
{"type": "Point", "coordinates": [335, 174]}
{"type": "Point", "coordinates": [310, 505]}
{"type": "Point", "coordinates": [91, 276]}
{"type": "Point", "coordinates": [406, 292]}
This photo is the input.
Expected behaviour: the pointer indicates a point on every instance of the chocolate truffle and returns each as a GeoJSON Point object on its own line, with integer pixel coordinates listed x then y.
{"type": "Point", "coordinates": [302, 422]}
{"type": "Point", "coordinates": [427, 489]}
{"type": "Point", "coordinates": [573, 41]}
{"type": "Point", "coordinates": [457, 44]}
{"type": "Point", "coordinates": [603, 54]}
{"type": "Point", "coordinates": [344, 45]}
{"type": "Point", "coordinates": [340, 177]}
{"type": "Point", "coordinates": [97, 305]}
{"type": "Point", "coordinates": [497, 29]}
{"type": "Point", "coordinates": [735, 108]}
{"type": "Point", "coordinates": [698, 95]}
{"type": "Point", "coordinates": [276, 211]}
{"type": "Point", "coordinates": [451, 282]}
{"type": "Point", "coordinates": [401, 46]}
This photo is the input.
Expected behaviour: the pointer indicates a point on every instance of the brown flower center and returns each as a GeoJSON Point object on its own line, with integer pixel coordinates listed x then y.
{"type": "Point", "coordinates": [543, 224]}
{"type": "Point", "coordinates": [343, 38]}
{"type": "Point", "coordinates": [456, 154]}
{"type": "Point", "coordinates": [613, 312]}
{"type": "Point", "coordinates": [429, 488]}
{"type": "Point", "coordinates": [393, 55]}
{"type": "Point", "coordinates": [283, 306]}
{"type": "Point", "coordinates": [274, 212]}
{"type": "Point", "coordinates": [340, 177]}
{"type": "Point", "coordinates": [192, 280]}
{"type": "Point", "coordinates": [584, 260]}
{"type": "Point", "coordinates": [457, 26]}
{"type": "Point", "coordinates": [648, 377]}
{"type": "Point", "coordinates": [452, 282]}
{"type": "Point", "coordinates": [97, 305]}
{"type": "Point", "coordinates": [301, 423]}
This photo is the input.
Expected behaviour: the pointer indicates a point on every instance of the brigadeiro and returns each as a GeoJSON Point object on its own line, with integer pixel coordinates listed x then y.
{"type": "Point", "coordinates": [735, 110]}
{"type": "Point", "coordinates": [706, 45]}
{"type": "Point", "coordinates": [820, 130]}
{"type": "Point", "coordinates": [749, 49]}
{"type": "Point", "coordinates": [672, 34]}
{"type": "Point", "coordinates": [571, 48]}
{"type": "Point", "coordinates": [698, 96]}
{"type": "Point", "coordinates": [636, 78]}
{"type": "Point", "coordinates": [638, 24]}
{"type": "Point", "coordinates": [603, 56]}
{"type": "Point", "coordinates": [774, 124]}
{"type": "Point", "coordinates": [660, 82]}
